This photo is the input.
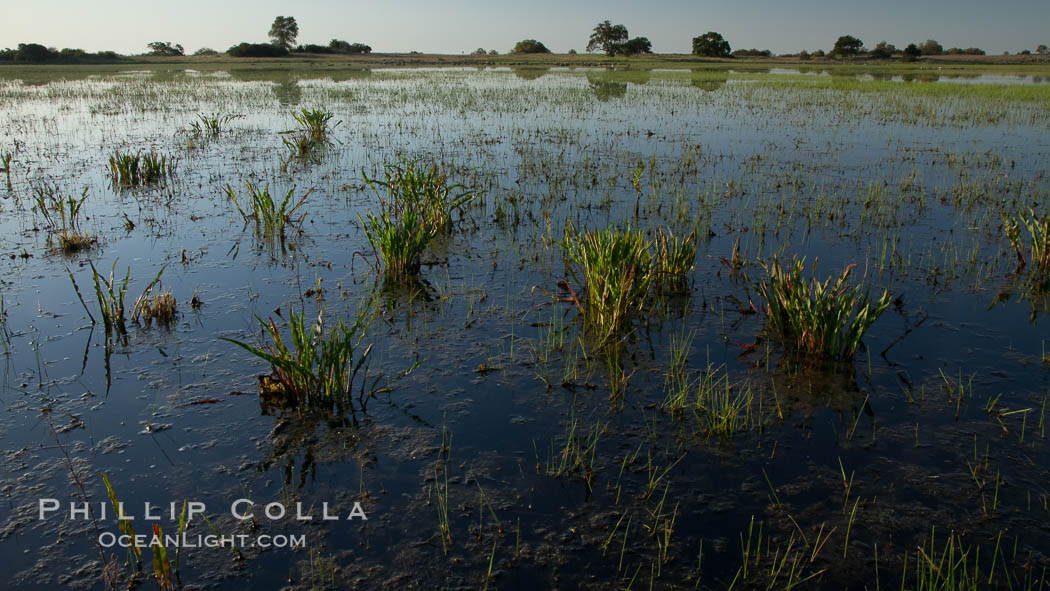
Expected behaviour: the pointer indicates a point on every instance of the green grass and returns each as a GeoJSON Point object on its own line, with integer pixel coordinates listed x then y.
{"type": "Point", "coordinates": [825, 319]}
{"type": "Point", "coordinates": [416, 204]}
{"type": "Point", "coordinates": [138, 169]}
{"type": "Point", "coordinates": [109, 294]}
{"type": "Point", "coordinates": [413, 186]}
{"type": "Point", "coordinates": [399, 238]}
{"type": "Point", "coordinates": [62, 217]}
{"type": "Point", "coordinates": [1033, 249]}
{"type": "Point", "coordinates": [314, 122]}
{"type": "Point", "coordinates": [621, 270]}
{"type": "Point", "coordinates": [317, 365]}
{"type": "Point", "coordinates": [210, 125]}
{"type": "Point", "coordinates": [271, 217]}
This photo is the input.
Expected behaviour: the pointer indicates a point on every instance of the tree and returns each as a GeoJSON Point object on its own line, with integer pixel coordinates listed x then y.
{"type": "Point", "coordinates": [205, 51]}
{"type": "Point", "coordinates": [480, 51]}
{"type": "Point", "coordinates": [284, 31]}
{"type": "Point", "coordinates": [883, 51]}
{"type": "Point", "coordinates": [847, 46]}
{"type": "Point", "coordinates": [608, 38]}
{"type": "Point", "coordinates": [711, 44]}
{"type": "Point", "coordinates": [529, 46]}
{"type": "Point", "coordinates": [1042, 49]}
{"type": "Point", "coordinates": [165, 48]}
{"type": "Point", "coordinates": [804, 55]}
{"type": "Point", "coordinates": [636, 46]}
{"type": "Point", "coordinates": [912, 52]}
{"type": "Point", "coordinates": [931, 47]}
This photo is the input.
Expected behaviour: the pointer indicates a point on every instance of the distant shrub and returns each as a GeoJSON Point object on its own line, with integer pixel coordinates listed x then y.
{"type": "Point", "coordinates": [493, 52]}
{"type": "Point", "coordinates": [256, 50]}
{"type": "Point", "coordinates": [819, 53]}
{"type": "Point", "coordinates": [205, 51]}
{"type": "Point", "coordinates": [312, 48]}
{"type": "Point", "coordinates": [572, 52]}
{"type": "Point", "coordinates": [165, 48]}
{"type": "Point", "coordinates": [752, 53]}
{"type": "Point", "coordinates": [530, 46]}
{"type": "Point", "coordinates": [33, 52]}
{"type": "Point", "coordinates": [804, 55]}
{"type": "Point", "coordinates": [883, 51]}
{"type": "Point", "coordinates": [637, 46]}
{"type": "Point", "coordinates": [340, 46]}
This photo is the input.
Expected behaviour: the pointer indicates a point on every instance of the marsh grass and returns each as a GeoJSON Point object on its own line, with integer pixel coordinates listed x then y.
{"type": "Point", "coordinates": [314, 122]}
{"type": "Point", "coordinates": [151, 305]}
{"type": "Point", "coordinates": [62, 216]}
{"type": "Point", "coordinates": [413, 186]}
{"type": "Point", "coordinates": [1033, 250]}
{"type": "Point", "coordinates": [312, 134]}
{"type": "Point", "coordinates": [416, 204]}
{"type": "Point", "coordinates": [822, 319]}
{"type": "Point", "coordinates": [317, 366]}
{"type": "Point", "coordinates": [211, 125]}
{"type": "Point", "coordinates": [138, 169]}
{"type": "Point", "coordinates": [622, 271]}
{"type": "Point", "coordinates": [399, 237]}
{"type": "Point", "coordinates": [109, 294]}
{"type": "Point", "coordinates": [5, 166]}
{"type": "Point", "coordinates": [718, 406]}
{"type": "Point", "coordinates": [271, 217]}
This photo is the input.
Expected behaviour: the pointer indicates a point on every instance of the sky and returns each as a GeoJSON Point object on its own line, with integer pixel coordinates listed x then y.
{"type": "Point", "coordinates": [458, 26]}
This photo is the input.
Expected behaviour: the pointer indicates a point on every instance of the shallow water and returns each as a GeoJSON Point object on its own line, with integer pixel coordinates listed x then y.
{"type": "Point", "coordinates": [936, 427]}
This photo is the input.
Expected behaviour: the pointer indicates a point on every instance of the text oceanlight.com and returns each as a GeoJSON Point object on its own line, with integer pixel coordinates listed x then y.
{"type": "Point", "coordinates": [110, 539]}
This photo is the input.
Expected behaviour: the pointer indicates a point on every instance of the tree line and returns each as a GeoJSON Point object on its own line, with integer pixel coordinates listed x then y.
{"type": "Point", "coordinates": [613, 40]}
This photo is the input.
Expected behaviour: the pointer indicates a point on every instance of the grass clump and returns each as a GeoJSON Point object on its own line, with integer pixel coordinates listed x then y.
{"type": "Point", "coordinates": [399, 236]}
{"type": "Point", "coordinates": [270, 217]}
{"type": "Point", "coordinates": [314, 122]}
{"type": "Point", "coordinates": [210, 125]}
{"type": "Point", "coordinates": [621, 270]}
{"type": "Point", "coordinates": [1033, 254]}
{"type": "Point", "coordinates": [138, 169]}
{"type": "Point", "coordinates": [312, 134]}
{"type": "Point", "coordinates": [417, 204]}
{"type": "Point", "coordinates": [62, 216]}
{"type": "Point", "coordinates": [413, 186]}
{"type": "Point", "coordinates": [822, 319]}
{"type": "Point", "coordinates": [314, 366]}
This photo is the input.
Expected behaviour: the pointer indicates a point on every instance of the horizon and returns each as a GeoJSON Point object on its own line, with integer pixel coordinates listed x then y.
{"type": "Point", "coordinates": [417, 26]}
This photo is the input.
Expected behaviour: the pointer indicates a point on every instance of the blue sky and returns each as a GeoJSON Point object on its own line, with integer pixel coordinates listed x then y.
{"type": "Point", "coordinates": [455, 26]}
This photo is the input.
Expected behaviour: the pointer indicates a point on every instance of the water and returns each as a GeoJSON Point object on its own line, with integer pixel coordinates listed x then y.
{"type": "Point", "coordinates": [936, 427]}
